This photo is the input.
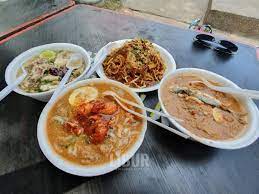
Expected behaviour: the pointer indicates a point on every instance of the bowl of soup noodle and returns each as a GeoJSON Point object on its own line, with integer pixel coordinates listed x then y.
{"type": "Point", "coordinates": [45, 66]}
{"type": "Point", "coordinates": [86, 133]}
{"type": "Point", "coordinates": [210, 117]}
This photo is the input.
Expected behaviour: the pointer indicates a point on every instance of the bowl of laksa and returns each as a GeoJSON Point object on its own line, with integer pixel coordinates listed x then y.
{"type": "Point", "coordinates": [213, 118]}
{"type": "Point", "coordinates": [86, 133]}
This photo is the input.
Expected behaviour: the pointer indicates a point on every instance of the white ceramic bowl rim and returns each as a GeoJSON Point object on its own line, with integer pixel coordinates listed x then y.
{"type": "Point", "coordinates": [246, 139]}
{"type": "Point", "coordinates": [12, 68]}
{"type": "Point", "coordinates": [171, 64]}
{"type": "Point", "coordinates": [73, 168]}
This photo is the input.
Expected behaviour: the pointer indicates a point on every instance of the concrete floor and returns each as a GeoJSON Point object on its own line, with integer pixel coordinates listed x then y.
{"type": "Point", "coordinates": [184, 11]}
{"type": "Point", "coordinates": [235, 16]}
{"type": "Point", "coordinates": [247, 8]}
{"type": "Point", "coordinates": [234, 19]}
{"type": "Point", "coordinates": [187, 10]}
{"type": "Point", "coordinates": [226, 35]}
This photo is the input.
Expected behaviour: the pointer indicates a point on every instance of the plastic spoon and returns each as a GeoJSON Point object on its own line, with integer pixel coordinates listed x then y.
{"type": "Point", "coordinates": [71, 65]}
{"type": "Point", "coordinates": [9, 88]}
{"type": "Point", "coordinates": [118, 100]}
{"type": "Point", "coordinates": [230, 90]}
{"type": "Point", "coordinates": [100, 60]}
{"type": "Point", "coordinates": [113, 94]}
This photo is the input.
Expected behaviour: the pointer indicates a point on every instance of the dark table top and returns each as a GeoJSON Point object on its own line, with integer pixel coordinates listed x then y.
{"type": "Point", "coordinates": [174, 165]}
{"type": "Point", "coordinates": [17, 13]}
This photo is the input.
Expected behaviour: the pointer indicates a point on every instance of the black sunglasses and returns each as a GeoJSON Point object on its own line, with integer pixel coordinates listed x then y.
{"type": "Point", "coordinates": [209, 41]}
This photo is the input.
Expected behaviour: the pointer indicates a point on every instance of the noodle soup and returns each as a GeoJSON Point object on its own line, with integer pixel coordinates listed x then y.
{"type": "Point", "coordinates": [87, 128]}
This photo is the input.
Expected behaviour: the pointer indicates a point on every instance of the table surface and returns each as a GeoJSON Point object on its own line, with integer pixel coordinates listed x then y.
{"type": "Point", "coordinates": [15, 13]}
{"type": "Point", "coordinates": [175, 165]}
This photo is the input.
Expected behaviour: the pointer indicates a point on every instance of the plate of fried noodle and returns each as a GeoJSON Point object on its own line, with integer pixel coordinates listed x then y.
{"type": "Point", "coordinates": [137, 63]}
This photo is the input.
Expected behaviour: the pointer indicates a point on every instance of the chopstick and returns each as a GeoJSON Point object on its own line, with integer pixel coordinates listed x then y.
{"type": "Point", "coordinates": [149, 119]}
{"type": "Point", "coordinates": [111, 93]}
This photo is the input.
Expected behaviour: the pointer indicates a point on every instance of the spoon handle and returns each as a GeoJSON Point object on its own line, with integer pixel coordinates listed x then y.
{"type": "Point", "coordinates": [241, 92]}
{"type": "Point", "coordinates": [95, 66]}
{"type": "Point", "coordinates": [9, 88]}
{"type": "Point", "coordinates": [235, 91]}
{"type": "Point", "coordinates": [153, 121]}
{"type": "Point", "coordinates": [251, 93]}
{"type": "Point", "coordinates": [61, 85]}
{"type": "Point", "coordinates": [100, 60]}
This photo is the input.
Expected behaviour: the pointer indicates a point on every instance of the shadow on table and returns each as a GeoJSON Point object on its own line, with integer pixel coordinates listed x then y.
{"type": "Point", "coordinates": [39, 178]}
{"type": "Point", "coordinates": [183, 149]}
{"type": "Point", "coordinates": [46, 178]}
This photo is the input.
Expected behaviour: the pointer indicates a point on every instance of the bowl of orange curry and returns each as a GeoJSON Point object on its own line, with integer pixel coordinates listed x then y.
{"type": "Point", "coordinates": [210, 117]}
{"type": "Point", "coordinates": [86, 133]}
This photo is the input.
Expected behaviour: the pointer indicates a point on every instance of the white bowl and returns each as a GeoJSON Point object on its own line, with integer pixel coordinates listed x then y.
{"type": "Point", "coordinates": [248, 137]}
{"type": "Point", "coordinates": [166, 56]}
{"type": "Point", "coordinates": [73, 168]}
{"type": "Point", "coordinates": [13, 67]}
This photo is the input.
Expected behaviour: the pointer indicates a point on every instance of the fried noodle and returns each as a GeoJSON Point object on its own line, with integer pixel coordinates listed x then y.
{"type": "Point", "coordinates": [137, 64]}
